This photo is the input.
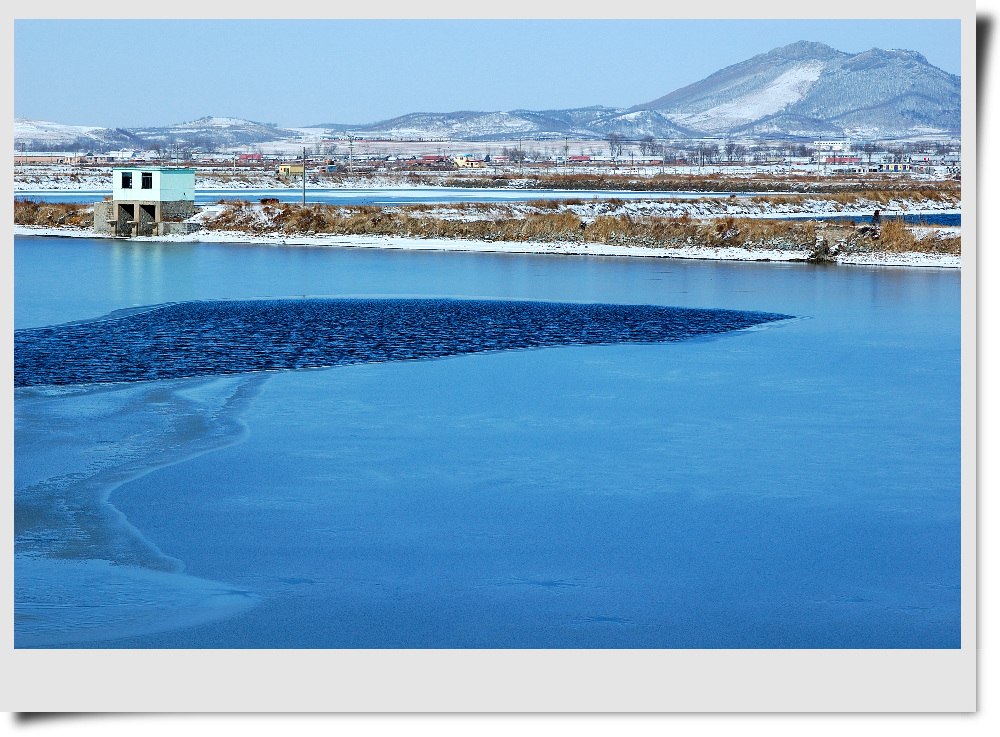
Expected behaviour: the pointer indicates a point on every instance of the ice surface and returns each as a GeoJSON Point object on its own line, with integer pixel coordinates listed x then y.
{"type": "Point", "coordinates": [83, 571]}
{"type": "Point", "coordinates": [235, 336]}
{"type": "Point", "coordinates": [76, 602]}
{"type": "Point", "coordinates": [793, 485]}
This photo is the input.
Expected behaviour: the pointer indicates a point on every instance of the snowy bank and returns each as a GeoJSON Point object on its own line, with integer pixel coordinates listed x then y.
{"type": "Point", "coordinates": [525, 247]}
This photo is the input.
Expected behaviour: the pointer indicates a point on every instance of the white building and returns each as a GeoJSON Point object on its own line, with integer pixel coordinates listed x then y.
{"type": "Point", "coordinates": [839, 146]}
{"type": "Point", "coordinates": [153, 184]}
{"type": "Point", "coordinates": [146, 200]}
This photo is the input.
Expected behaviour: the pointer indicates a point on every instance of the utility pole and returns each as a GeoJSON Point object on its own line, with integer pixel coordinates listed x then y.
{"type": "Point", "coordinates": [303, 176]}
{"type": "Point", "coordinates": [350, 154]}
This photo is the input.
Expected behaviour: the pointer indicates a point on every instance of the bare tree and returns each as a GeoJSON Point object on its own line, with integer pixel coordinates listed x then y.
{"type": "Point", "coordinates": [515, 155]}
{"type": "Point", "coordinates": [868, 149]}
{"type": "Point", "coordinates": [647, 144]}
{"type": "Point", "coordinates": [616, 145]}
{"type": "Point", "coordinates": [707, 152]}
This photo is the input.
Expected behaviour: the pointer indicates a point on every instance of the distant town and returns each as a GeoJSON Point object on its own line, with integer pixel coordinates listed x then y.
{"type": "Point", "coordinates": [934, 159]}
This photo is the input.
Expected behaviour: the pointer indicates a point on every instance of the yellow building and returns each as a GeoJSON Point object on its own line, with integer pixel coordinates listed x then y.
{"type": "Point", "coordinates": [467, 162]}
{"type": "Point", "coordinates": [289, 170]}
{"type": "Point", "coordinates": [896, 168]}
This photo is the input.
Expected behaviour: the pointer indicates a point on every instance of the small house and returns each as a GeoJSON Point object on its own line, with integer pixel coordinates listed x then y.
{"type": "Point", "coordinates": [435, 161]}
{"type": "Point", "coordinates": [842, 160]}
{"type": "Point", "coordinates": [146, 200]}
{"type": "Point", "coordinates": [47, 158]}
{"type": "Point", "coordinates": [895, 168]}
{"type": "Point", "coordinates": [468, 162]}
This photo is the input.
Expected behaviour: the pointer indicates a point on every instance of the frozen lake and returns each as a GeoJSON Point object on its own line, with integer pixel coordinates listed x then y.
{"type": "Point", "coordinates": [790, 485]}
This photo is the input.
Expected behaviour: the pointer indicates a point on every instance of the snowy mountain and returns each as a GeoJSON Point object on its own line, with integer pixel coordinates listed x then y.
{"type": "Point", "coordinates": [588, 122]}
{"type": "Point", "coordinates": [209, 133]}
{"type": "Point", "coordinates": [42, 135]}
{"type": "Point", "coordinates": [804, 90]}
{"type": "Point", "coordinates": [214, 133]}
{"type": "Point", "coordinates": [812, 90]}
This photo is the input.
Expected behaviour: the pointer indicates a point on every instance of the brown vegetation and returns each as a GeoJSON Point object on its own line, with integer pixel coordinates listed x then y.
{"type": "Point", "coordinates": [551, 223]}
{"type": "Point", "coordinates": [895, 237]}
{"type": "Point", "coordinates": [805, 236]}
{"type": "Point", "coordinates": [49, 214]}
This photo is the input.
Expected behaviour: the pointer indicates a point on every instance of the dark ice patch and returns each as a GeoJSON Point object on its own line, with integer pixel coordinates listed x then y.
{"type": "Point", "coordinates": [228, 337]}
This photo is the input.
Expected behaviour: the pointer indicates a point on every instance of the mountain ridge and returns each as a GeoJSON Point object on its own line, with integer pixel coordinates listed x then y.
{"type": "Point", "coordinates": [801, 90]}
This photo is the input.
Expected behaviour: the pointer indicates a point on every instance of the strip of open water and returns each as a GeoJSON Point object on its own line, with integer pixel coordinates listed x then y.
{"type": "Point", "coordinates": [451, 195]}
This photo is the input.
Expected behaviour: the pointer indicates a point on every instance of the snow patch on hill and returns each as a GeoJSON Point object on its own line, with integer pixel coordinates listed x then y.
{"type": "Point", "coordinates": [43, 131]}
{"type": "Point", "coordinates": [785, 90]}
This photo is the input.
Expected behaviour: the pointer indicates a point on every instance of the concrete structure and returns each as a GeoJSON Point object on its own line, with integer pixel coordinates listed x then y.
{"type": "Point", "coordinates": [147, 200]}
{"type": "Point", "coordinates": [47, 158]}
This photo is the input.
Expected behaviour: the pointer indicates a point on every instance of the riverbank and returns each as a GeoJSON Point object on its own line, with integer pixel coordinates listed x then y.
{"type": "Point", "coordinates": [579, 248]}
{"type": "Point", "coordinates": [916, 227]}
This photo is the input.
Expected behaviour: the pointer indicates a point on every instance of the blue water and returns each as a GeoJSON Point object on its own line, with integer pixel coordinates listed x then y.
{"type": "Point", "coordinates": [791, 485]}
{"type": "Point", "coordinates": [922, 218]}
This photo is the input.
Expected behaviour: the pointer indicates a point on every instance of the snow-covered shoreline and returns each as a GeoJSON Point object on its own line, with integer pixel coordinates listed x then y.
{"type": "Point", "coordinates": [588, 204]}
{"type": "Point", "coordinates": [519, 247]}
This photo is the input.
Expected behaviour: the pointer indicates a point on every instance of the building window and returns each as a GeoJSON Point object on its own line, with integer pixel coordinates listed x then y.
{"type": "Point", "coordinates": [126, 180]}
{"type": "Point", "coordinates": [147, 180]}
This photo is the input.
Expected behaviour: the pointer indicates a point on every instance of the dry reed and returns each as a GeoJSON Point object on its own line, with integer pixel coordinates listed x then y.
{"type": "Point", "coordinates": [562, 226]}
{"type": "Point", "coordinates": [51, 214]}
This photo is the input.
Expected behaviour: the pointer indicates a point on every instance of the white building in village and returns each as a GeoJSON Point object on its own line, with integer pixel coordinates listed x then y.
{"type": "Point", "coordinates": [838, 146]}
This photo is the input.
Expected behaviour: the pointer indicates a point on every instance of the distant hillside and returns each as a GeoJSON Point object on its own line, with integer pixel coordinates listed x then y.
{"type": "Point", "coordinates": [207, 133]}
{"type": "Point", "coordinates": [588, 122]}
{"type": "Point", "coordinates": [210, 133]}
{"type": "Point", "coordinates": [42, 135]}
{"type": "Point", "coordinates": [805, 90]}
{"type": "Point", "coordinates": [812, 90]}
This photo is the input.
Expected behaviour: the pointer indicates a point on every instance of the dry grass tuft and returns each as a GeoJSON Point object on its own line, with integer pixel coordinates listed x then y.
{"type": "Point", "coordinates": [49, 214]}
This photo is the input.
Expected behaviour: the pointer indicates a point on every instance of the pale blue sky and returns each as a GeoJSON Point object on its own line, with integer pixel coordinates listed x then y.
{"type": "Point", "coordinates": [158, 72]}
